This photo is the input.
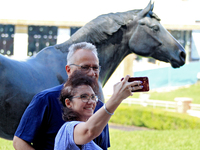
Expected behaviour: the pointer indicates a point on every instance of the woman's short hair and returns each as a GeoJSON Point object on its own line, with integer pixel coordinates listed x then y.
{"type": "Point", "coordinates": [76, 79]}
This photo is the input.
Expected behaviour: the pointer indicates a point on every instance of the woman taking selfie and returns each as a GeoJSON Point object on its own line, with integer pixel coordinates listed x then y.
{"type": "Point", "coordinates": [79, 100]}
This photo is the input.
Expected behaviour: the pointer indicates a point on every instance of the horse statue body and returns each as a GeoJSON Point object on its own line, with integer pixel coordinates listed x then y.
{"type": "Point", "coordinates": [115, 35]}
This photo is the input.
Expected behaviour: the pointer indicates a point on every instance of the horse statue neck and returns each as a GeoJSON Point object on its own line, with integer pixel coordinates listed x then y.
{"type": "Point", "coordinates": [110, 57]}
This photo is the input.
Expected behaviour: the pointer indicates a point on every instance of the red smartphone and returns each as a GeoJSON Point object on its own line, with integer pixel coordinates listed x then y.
{"type": "Point", "coordinates": [145, 83]}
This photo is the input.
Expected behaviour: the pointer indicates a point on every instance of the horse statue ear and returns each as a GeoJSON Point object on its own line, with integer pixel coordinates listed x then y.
{"type": "Point", "coordinates": [146, 10]}
{"type": "Point", "coordinates": [152, 6]}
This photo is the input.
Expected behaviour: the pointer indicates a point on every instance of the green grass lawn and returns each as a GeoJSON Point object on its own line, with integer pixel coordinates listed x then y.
{"type": "Point", "coordinates": [192, 91]}
{"type": "Point", "coordinates": [145, 140]}
{"type": "Point", "coordinates": [155, 140]}
{"type": "Point", "coordinates": [5, 144]}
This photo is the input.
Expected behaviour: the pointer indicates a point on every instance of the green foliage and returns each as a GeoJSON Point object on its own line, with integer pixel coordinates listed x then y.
{"type": "Point", "coordinates": [153, 118]}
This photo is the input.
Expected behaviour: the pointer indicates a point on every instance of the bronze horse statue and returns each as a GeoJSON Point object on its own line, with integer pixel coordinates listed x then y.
{"type": "Point", "coordinates": [115, 35]}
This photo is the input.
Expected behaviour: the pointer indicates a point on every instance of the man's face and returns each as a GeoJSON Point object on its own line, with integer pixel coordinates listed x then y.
{"type": "Point", "coordinates": [83, 58]}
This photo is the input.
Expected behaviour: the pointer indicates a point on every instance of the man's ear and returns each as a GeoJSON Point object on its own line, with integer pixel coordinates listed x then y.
{"type": "Point", "coordinates": [68, 103]}
{"type": "Point", "coordinates": [68, 69]}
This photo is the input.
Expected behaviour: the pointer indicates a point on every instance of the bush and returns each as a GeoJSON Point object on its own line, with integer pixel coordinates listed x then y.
{"type": "Point", "coordinates": [153, 118]}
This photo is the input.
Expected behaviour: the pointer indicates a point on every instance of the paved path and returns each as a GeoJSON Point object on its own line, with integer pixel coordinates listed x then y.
{"type": "Point", "coordinates": [127, 128]}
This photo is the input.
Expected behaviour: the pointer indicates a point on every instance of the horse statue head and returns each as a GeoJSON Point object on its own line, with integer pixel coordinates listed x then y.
{"type": "Point", "coordinates": [115, 35]}
{"type": "Point", "coordinates": [158, 43]}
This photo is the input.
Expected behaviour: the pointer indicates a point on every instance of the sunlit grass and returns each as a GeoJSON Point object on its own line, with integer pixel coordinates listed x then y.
{"type": "Point", "coordinates": [144, 140]}
{"type": "Point", "coordinates": [6, 144]}
{"type": "Point", "coordinates": [155, 140]}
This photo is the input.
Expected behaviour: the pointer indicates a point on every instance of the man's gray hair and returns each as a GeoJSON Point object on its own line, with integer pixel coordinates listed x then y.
{"type": "Point", "coordinates": [82, 45]}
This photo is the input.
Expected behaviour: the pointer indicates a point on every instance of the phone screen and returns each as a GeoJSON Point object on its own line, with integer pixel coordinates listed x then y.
{"type": "Point", "coordinates": [145, 83]}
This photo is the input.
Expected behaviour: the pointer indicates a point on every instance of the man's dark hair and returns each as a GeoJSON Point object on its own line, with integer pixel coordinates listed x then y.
{"type": "Point", "coordinates": [77, 78]}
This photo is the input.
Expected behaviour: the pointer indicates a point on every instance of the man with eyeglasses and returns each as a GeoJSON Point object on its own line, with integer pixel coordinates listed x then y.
{"type": "Point", "coordinates": [43, 117]}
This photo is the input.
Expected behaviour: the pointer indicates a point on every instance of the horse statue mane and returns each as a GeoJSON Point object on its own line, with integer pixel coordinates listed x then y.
{"type": "Point", "coordinates": [115, 35]}
{"type": "Point", "coordinates": [100, 28]}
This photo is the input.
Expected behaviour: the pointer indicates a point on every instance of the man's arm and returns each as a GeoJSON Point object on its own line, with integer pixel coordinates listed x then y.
{"type": "Point", "coordinates": [20, 144]}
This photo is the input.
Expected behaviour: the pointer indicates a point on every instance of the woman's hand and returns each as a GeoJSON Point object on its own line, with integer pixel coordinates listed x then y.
{"type": "Point", "coordinates": [124, 88]}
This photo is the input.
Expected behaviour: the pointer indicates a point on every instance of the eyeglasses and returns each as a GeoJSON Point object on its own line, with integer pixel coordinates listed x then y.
{"type": "Point", "coordinates": [87, 68]}
{"type": "Point", "coordinates": [85, 98]}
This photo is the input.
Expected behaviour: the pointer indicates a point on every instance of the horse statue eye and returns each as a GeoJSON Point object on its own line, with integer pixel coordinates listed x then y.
{"type": "Point", "coordinates": [155, 28]}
